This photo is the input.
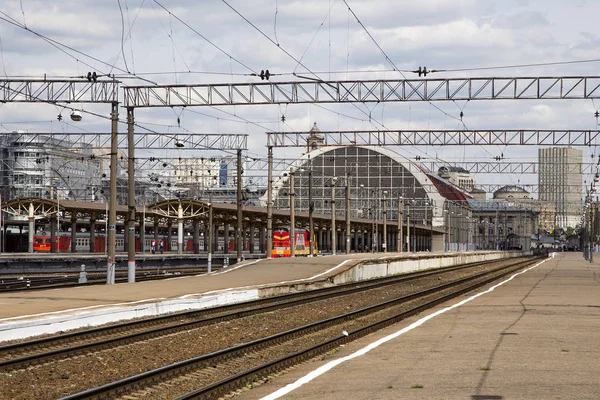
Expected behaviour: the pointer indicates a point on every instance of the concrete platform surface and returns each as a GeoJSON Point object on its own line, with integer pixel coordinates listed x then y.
{"type": "Point", "coordinates": [535, 337]}
{"type": "Point", "coordinates": [250, 273]}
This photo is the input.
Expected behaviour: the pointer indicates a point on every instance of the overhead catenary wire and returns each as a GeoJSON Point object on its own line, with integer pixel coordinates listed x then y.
{"type": "Point", "coordinates": [122, 38]}
{"type": "Point", "coordinates": [299, 62]}
{"type": "Point", "coordinates": [204, 37]}
{"type": "Point", "coordinates": [61, 47]}
{"type": "Point", "coordinates": [390, 60]}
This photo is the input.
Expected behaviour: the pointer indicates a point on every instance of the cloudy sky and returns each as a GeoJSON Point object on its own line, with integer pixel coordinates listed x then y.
{"type": "Point", "coordinates": [177, 41]}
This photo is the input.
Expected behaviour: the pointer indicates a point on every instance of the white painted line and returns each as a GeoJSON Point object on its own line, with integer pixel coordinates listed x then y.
{"type": "Point", "coordinates": [224, 271]}
{"type": "Point", "coordinates": [268, 284]}
{"type": "Point", "coordinates": [330, 365]}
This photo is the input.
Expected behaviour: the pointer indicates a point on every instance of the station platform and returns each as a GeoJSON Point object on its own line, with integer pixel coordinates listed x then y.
{"type": "Point", "coordinates": [533, 337]}
{"type": "Point", "coordinates": [24, 314]}
{"type": "Point", "coordinates": [40, 263]}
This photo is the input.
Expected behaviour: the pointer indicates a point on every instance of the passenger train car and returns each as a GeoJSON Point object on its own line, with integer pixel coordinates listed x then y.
{"type": "Point", "coordinates": [281, 243]}
{"type": "Point", "coordinates": [42, 243]}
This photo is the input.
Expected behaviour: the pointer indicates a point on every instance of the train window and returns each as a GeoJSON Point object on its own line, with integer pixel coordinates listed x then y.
{"type": "Point", "coordinates": [48, 241]}
{"type": "Point", "coordinates": [39, 241]}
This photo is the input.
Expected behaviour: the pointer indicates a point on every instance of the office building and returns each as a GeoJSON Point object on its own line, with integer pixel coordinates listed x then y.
{"type": "Point", "coordinates": [560, 182]}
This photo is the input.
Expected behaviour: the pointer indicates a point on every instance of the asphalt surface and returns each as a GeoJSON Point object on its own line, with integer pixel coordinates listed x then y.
{"type": "Point", "coordinates": [535, 337]}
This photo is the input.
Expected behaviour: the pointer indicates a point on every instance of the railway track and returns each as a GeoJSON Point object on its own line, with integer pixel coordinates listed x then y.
{"type": "Point", "coordinates": [16, 284]}
{"type": "Point", "coordinates": [241, 315]}
{"type": "Point", "coordinates": [24, 354]}
{"type": "Point", "coordinates": [226, 370]}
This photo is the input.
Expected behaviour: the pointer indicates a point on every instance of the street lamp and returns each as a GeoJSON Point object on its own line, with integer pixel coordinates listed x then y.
{"type": "Point", "coordinates": [292, 215]}
{"type": "Point", "coordinates": [432, 204]}
{"type": "Point", "coordinates": [447, 224]}
{"type": "Point", "coordinates": [384, 241]}
{"type": "Point", "coordinates": [412, 243]}
{"type": "Point", "coordinates": [311, 208]}
{"type": "Point", "coordinates": [400, 217]}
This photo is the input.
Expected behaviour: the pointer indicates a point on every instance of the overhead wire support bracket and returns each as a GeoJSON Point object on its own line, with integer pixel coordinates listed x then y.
{"type": "Point", "coordinates": [439, 138]}
{"type": "Point", "coordinates": [363, 91]}
{"type": "Point", "coordinates": [58, 91]}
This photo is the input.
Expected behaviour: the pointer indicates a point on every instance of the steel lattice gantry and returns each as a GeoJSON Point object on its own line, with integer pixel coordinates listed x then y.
{"type": "Point", "coordinates": [142, 140]}
{"type": "Point", "coordinates": [506, 167]}
{"type": "Point", "coordinates": [363, 91]}
{"type": "Point", "coordinates": [75, 91]}
{"type": "Point", "coordinates": [256, 167]}
{"type": "Point", "coordinates": [520, 137]}
{"type": "Point", "coordinates": [58, 91]}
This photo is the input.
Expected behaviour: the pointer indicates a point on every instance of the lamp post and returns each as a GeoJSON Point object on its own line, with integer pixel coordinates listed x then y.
{"type": "Point", "coordinates": [311, 208]}
{"type": "Point", "coordinates": [374, 215]}
{"type": "Point", "coordinates": [1, 226]}
{"type": "Point", "coordinates": [432, 204]}
{"type": "Point", "coordinates": [408, 246]}
{"type": "Point", "coordinates": [269, 246]}
{"type": "Point", "coordinates": [56, 244]}
{"type": "Point", "coordinates": [239, 221]}
{"type": "Point", "coordinates": [211, 232]}
{"type": "Point", "coordinates": [400, 217]}
{"type": "Point", "coordinates": [447, 224]}
{"type": "Point", "coordinates": [384, 241]}
{"type": "Point", "coordinates": [333, 229]}
{"type": "Point", "coordinates": [292, 215]}
{"type": "Point", "coordinates": [361, 207]}
{"type": "Point", "coordinates": [348, 228]}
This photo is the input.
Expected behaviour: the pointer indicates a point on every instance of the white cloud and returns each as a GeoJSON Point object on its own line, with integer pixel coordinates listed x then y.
{"type": "Point", "coordinates": [437, 33]}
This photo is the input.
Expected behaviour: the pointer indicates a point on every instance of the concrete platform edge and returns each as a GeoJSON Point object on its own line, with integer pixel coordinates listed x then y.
{"type": "Point", "coordinates": [22, 327]}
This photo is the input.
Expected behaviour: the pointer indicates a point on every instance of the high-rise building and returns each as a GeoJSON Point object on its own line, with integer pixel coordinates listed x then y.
{"type": "Point", "coordinates": [560, 181]}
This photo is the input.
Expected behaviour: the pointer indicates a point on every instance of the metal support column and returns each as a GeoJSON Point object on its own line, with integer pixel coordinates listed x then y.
{"type": "Point", "coordinates": [142, 225]}
{"type": "Point", "coordinates": [225, 237]}
{"type": "Point", "coordinates": [53, 247]}
{"type": "Point", "coordinates": [270, 203]}
{"type": "Point", "coordinates": [385, 239]}
{"type": "Point", "coordinates": [400, 244]}
{"type": "Point", "coordinates": [292, 215]}
{"type": "Point", "coordinates": [238, 231]}
{"type": "Point", "coordinates": [130, 197]}
{"type": "Point", "coordinates": [261, 239]}
{"type": "Point", "coordinates": [196, 236]}
{"type": "Point", "coordinates": [74, 232]}
{"type": "Point", "coordinates": [251, 231]}
{"type": "Point", "coordinates": [212, 232]}
{"type": "Point", "coordinates": [311, 207]}
{"type": "Point", "coordinates": [31, 232]}
{"type": "Point", "coordinates": [333, 227]}
{"type": "Point", "coordinates": [170, 233]}
{"type": "Point", "coordinates": [180, 232]}
{"type": "Point", "coordinates": [156, 231]}
{"type": "Point", "coordinates": [348, 227]}
{"type": "Point", "coordinates": [408, 246]}
{"type": "Point", "coordinates": [112, 203]}
{"type": "Point", "coordinates": [92, 232]}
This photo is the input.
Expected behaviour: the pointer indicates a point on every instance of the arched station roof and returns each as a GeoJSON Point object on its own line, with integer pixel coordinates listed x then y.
{"type": "Point", "coordinates": [375, 168]}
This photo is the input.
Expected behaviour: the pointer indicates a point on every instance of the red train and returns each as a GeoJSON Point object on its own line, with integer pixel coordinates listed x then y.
{"type": "Point", "coordinates": [281, 242]}
{"type": "Point", "coordinates": [42, 242]}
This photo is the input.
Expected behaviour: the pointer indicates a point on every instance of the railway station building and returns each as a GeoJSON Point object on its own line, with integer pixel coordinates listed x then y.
{"type": "Point", "coordinates": [375, 184]}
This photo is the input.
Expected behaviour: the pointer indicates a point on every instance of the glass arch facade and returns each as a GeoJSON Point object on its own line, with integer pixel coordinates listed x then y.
{"type": "Point", "coordinates": [373, 174]}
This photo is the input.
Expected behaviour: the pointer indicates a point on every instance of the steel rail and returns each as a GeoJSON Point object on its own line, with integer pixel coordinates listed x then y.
{"type": "Point", "coordinates": [237, 381]}
{"type": "Point", "coordinates": [72, 281]}
{"type": "Point", "coordinates": [200, 319]}
{"type": "Point", "coordinates": [127, 385]}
